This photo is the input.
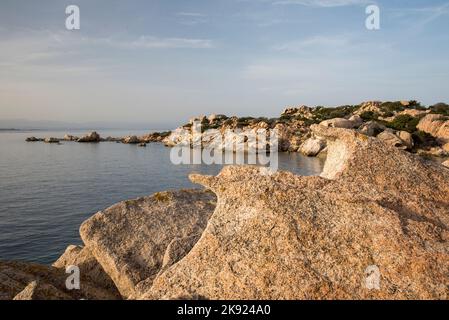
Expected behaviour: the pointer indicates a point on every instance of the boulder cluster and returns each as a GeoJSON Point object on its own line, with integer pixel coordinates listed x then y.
{"type": "Point", "coordinates": [404, 124]}
{"type": "Point", "coordinates": [374, 225]}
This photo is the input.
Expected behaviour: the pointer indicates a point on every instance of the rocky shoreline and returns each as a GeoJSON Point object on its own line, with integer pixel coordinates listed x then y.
{"type": "Point", "coordinates": [376, 210]}
{"type": "Point", "coordinates": [406, 125]}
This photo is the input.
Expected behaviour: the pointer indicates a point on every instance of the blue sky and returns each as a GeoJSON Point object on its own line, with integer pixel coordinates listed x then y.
{"type": "Point", "coordinates": [166, 61]}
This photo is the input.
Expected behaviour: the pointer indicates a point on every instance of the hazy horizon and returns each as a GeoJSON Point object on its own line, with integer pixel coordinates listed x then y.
{"type": "Point", "coordinates": [159, 63]}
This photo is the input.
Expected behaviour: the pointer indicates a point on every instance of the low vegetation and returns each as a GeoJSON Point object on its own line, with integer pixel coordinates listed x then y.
{"type": "Point", "coordinates": [404, 122]}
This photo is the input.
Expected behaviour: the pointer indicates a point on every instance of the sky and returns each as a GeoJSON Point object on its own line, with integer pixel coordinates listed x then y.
{"type": "Point", "coordinates": [165, 61]}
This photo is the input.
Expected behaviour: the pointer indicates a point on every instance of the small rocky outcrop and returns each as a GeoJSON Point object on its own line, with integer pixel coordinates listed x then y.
{"type": "Point", "coordinates": [51, 140]}
{"type": "Point", "coordinates": [91, 137]}
{"type": "Point", "coordinates": [130, 239]}
{"type": "Point", "coordinates": [33, 139]}
{"type": "Point", "coordinates": [69, 137]}
{"type": "Point", "coordinates": [131, 140]}
{"type": "Point", "coordinates": [301, 112]}
{"type": "Point", "coordinates": [154, 137]}
{"type": "Point", "coordinates": [369, 106]}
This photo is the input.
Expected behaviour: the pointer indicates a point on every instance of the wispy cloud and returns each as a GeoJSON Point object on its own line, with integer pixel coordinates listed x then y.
{"type": "Point", "coordinates": [190, 14]}
{"type": "Point", "coordinates": [150, 42]}
{"type": "Point", "coordinates": [315, 43]}
{"type": "Point", "coordinates": [426, 14]}
{"type": "Point", "coordinates": [192, 18]}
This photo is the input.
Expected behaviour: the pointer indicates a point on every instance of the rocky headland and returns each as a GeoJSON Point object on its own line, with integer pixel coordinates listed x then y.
{"type": "Point", "coordinates": [376, 210]}
{"type": "Point", "coordinates": [406, 125]}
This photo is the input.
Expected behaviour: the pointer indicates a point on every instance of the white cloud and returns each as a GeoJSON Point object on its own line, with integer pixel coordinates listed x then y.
{"type": "Point", "coordinates": [190, 14]}
{"type": "Point", "coordinates": [150, 42]}
{"type": "Point", "coordinates": [315, 43]}
{"type": "Point", "coordinates": [426, 14]}
{"type": "Point", "coordinates": [192, 18]}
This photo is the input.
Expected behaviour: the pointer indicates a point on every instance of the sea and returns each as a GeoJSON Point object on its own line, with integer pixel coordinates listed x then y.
{"type": "Point", "coordinates": [48, 190]}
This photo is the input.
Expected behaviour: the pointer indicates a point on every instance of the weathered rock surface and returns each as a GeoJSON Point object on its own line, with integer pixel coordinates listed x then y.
{"type": "Point", "coordinates": [437, 125]}
{"type": "Point", "coordinates": [406, 138]}
{"type": "Point", "coordinates": [371, 128]}
{"type": "Point", "coordinates": [311, 147]}
{"type": "Point", "coordinates": [340, 123]}
{"type": "Point", "coordinates": [30, 280]}
{"type": "Point", "coordinates": [33, 139]}
{"type": "Point", "coordinates": [130, 239]}
{"type": "Point", "coordinates": [177, 249]}
{"type": "Point", "coordinates": [131, 140]}
{"type": "Point", "coordinates": [446, 163]}
{"type": "Point", "coordinates": [41, 291]}
{"type": "Point", "coordinates": [69, 137]}
{"type": "Point", "coordinates": [390, 138]}
{"type": "Point", "coordinates": [90, 270]}
{"type": "Point", "coordinates": [284, 236]}
{"type": "Point", "coordinates": [51, 140]}
{"type": "Point", "coordinates": [369, 106]}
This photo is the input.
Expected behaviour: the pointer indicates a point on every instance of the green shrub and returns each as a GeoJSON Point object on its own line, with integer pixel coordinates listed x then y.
{"type": "Point", "coordinates": [392, 107]}
{"type": "Point", "coordinates": [321, 113]}
{"type": "Point", "coordinates": [404, 122]}
{"type": "Point", "coordinates": [440, 108]}
{"type": "Point", "coordinates": [416, 105]}
{"type": "Point", "coordinates": [369, 115]}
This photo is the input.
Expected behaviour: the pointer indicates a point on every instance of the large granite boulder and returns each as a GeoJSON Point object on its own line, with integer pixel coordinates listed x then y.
{"type": "Point", "coordinates": [341, 123]}
{"type": "Point", "coordinates": [375, 225]}
{"type": "Point", "coordinates": [389, 137]}
{"type": "Point", "coordinates": [312, 147]}
{"type": "Point", "coordinates": [130, 239]}
{"type": "Point", "coordinates": [406, 138]}
{"type": "Point", "coordinates": [371, 128]}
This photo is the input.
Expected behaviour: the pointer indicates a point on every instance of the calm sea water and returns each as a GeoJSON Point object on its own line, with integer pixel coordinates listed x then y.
{"type": "Point", "coordinates": [48, 190]}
